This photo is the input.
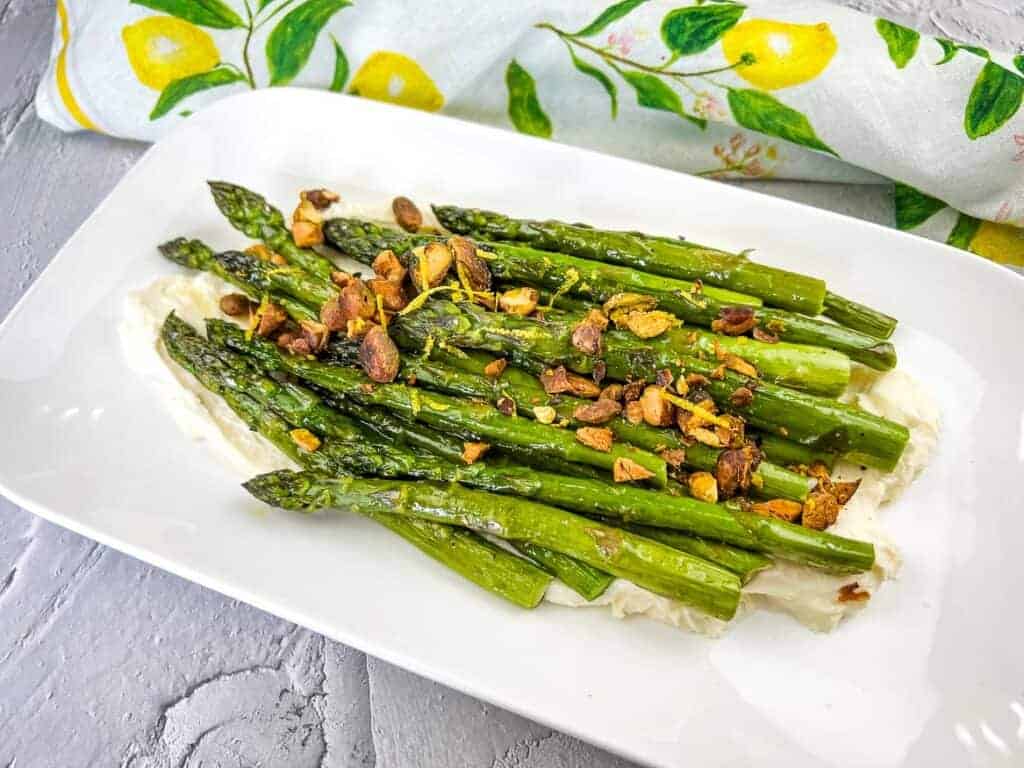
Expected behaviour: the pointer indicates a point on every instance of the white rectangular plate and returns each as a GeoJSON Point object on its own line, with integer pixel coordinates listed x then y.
{"type": "Point", "coordinates": [930, 673]}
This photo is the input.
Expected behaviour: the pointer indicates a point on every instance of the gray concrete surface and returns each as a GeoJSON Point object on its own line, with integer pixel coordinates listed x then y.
{"type": "Point", "coordinates": [107, 661]}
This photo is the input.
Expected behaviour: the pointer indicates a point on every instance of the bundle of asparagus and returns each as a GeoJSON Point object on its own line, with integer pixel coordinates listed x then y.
{"type": "Point", "coordinates": [665, 416]}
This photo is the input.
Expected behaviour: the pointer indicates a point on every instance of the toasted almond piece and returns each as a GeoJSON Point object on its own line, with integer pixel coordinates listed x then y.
{"type": "Point", "coordinates": [320, 198]}
{"type": "Point", "coordinates": [633, 390]}
{"type": "Point", "coordinates": [706, 436]}
{"type": "Point", "coordinates": [696, 380]}
{"type": "Point", "coordinates": [306, 234]}
{"type": "Point", "coordinates": [407, 215]}
{"type": "Point", "coordinates": [630, 302]}
{"type": "Point", "coordinates": [305, 439]}
{"type": "Point", "coordinates": [545, 414]}
{"type": "Point", "coordinates": [852, 593]}
{"type": "Point", "coordinates": [597, 318]}
{"type": "Point", "coordinates": [663, 378]}
{"type": "Point", "coordinates": [495, 368]}
{"type": "Point", "coordinates": [390, 292]}
{"type": "Point", "coordinates": [658, 412]}
{"type": "Point", "coordinates": [587, 338]}
{"type": "Point", "coordinates": [236, 304]}
{"type": "Point", "coordinates": [341, 278]}
{"type": "Point", "coordinates": [766, 336]}
{"type": "Point", "coordinates": [284, 339]}
{"type": "Point", "coordinates": [430, 265]}
{"type": "Point", "coordinates": [703, 487]}
{"type": "Point", "coordinates": [626, 470]}
{"type": "Point", "coordinates": [597, 412]}
{"type": "Point", "coordinates": [611, 392]}
{"type": "Point", "coordinates": [472, 270]}
{"type": "Point", "coordinates": [741, 366]}
{"type": "Point", "coordinates": [598, 438]}
{"type": "Point", "coordinates": [734, 470]}
{"type": "Point", "coordinates": [506, 405]}
{"type": "Point", "coordinates": [306, 211]}
{"type": "Point", "coordinates": [741, 397]}
{"type": "Point", "coordinates": [388, 266]}
{"type": "Point", "coordinates": [634, 412]}
{"type": "Point", "coordinates": [783, 509]}
{"type": "Point", "coordinates": [734, 321]}
{"type": "Point", "coordinates": [674, 457]}
{"type": "Point", "coordinates": [356, 300]}
{"type": "Point", "coordinates": [378, 356]}
{"type": "Point", "coordinates": [519, 301]}
{"type": "Point", "coordinates": [647, 325]}
{"type": "Point", "coordinates": [271, 317]}
{"type": "Point", "coordinates": [558, 380]}
{"type": "Point", "coordinates": [719, 373]}
{"type": "Point", "coordinates": [844, 491]}
{"type": "Point", "coordinates": [315, 334]}
{"type": "Point", "coordinates": [473, 451]}
{"type": "Point", "coordinates": [820, 510]}
{"type": "Point", "coordinates": [299, 346]}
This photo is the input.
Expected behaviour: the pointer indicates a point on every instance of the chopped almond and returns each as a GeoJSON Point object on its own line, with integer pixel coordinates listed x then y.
{"type": "Point", "coordinates": [519, 301]}
{"type": "Point", "coordinates": [388, 266]}
{"type": "Point", "coordinates": [735, 468]}
{"type": "Point", "coordinates": [598, 373]}
{"type": "Point", "coordinates": [611, 392]}
{"type": "Point", "coordinates": [379, 356]}
{"type": "Point", "coordinates": [633, 390]}
{"type": "Point", "coordinates": [647, 325]}
{"type": "Point", "coordinates": [306, 234]}
{"type": "Point", "coordinates": [703, 487]}
{"type": "Point", "coordinates": [305, 439]}
{"type": "Point", "coordinates": [820, 510]}
{"type": "Point", "coordinates": [658, 412]}
{"type": "Point", "coordinates": [706, 436]}
{"type": "Point", "coordinates": [407, 215]}
{"type": "Point", "coordinates": [734, 321]}
{"type": "Point", "coordinates": [320, 198]}
{"type": "Point", "coordinates": [783, 509]}
{"type": "Point", "coordinates": [741, 397]}
{"type": "Point", "coordinates": [598, 412]}
{"type": "Point", "coordinates": [558, 380]}
{"type": "Point", "coordinates": [340, 278]}
{"type": "Point", "coordinates": [506, 405]}
{"type": "Point", "coordinates": [495, 368]}
{"type": "Point", "coordinates": [390, 292]}
{"type": "Point", "coordinates": [852, 593]}
{"type": "Point", "coordinates": [472, 270]}
{"type": "Point", "coordinates": [634, 412]}
{"type": "Point", "coordinates": [663, 378]}
{"type": "Point", "coordinates": [597, 318]}
{"type": "Point", "coordinates": [471, 452]}
{"type": "Point", "coordinates": [674, 457]}
{"type": "Point", "coordinates": [741, 366]}
{"type": "Point", "coordinates": [598, 438]}
{"type": "Point", "coordinates": [315, 335]}
{"type": "Point", "coordinates": [762, 335]}
{"type": "Point", "coordinates": [299, 346]}
{"type": "Point", "coordinates": [587, 338]}
{"type": "Point", "coordinates": [545, 414]}
{"type": "Point", "coordinates": [844, 491]}
{"type": "Point", "coordinates": [271, 317]}
{"type": "Point", "coordinates": [430, 265]}
{"type": "Point", "coordinates": [696, 380]}
{"type": "Point", "coordinates": [626, 470]}
{"type": "Point", "coordinates": [236, 304]}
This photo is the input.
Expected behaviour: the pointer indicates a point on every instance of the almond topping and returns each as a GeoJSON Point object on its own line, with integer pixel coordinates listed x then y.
{"type": "Point", "coordinates": [783, 509]}
{"type": "Point", "coordinates": [674, 457]}
{"type": "Point", "coordinates": [506, 405]}
{"type": "Point", "coordinates": [658, 412]}
{"type": "Point", "coordinates": [388, 266]}
{"type": "Point", "coordinates": [307, 234]}
{"type": "Point", "coordinates": [633, 390]}
{"type": "Point", "coordinates": [305, 439]}
{"type": "Point", "coordinates": [495, 368]}
{"type": "Point", "coordinates": [626, 470]}
{"type": "Point", "coordinates": [598, 438]}
{"type": "Point", "coordinates": [315, 335]}
{"type": "Point", "coordinates": [703, 487]}
{"type": "Point", "coordinates": [519, 301]}
{"type": "Point", "coordinates": [647, 325]}
{"type": "Point", "coordinates": [634, 412]}
{"type": "Point", "coordinates": [473, 271]}
{"type": "Point", "coordinates": [390, 292]}
{"type": "Point", "coordinates": [379, 356]}
{"type": "Point", "coordinates": [741, 397]}
{"type": "Point", "coordinates": [611, 392]}
{"type": "Point", "coordinates": [430, 265]}
{"type": "Point", "coordinates": [271, 317]}
{"type": "Point", "coordinates": [597, 412]}
{"type": "Point", "coordinates": [471, 452]}
{"type": "Point", "coordinates": [545, 414]}
{"type": "Point", "coordinates": [236, 304]}
{"type": "Point", "coordinates": [852, 593]}
{"type": "Point", "coordinates": [734, 321]}
{"type": "Point", "coordinates": [587, 338]}
{"type": "Point", "coordinates": [820, 510]}
{"type": "Point", "coordinates": [407, 215]}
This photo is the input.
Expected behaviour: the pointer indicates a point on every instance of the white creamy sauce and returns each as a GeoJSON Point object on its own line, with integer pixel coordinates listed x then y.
{"type": "Point", "coordinates": [807, 594]}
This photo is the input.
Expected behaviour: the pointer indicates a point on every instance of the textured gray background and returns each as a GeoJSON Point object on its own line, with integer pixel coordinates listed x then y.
{"type": "Point", "coordinates": [106, 661]}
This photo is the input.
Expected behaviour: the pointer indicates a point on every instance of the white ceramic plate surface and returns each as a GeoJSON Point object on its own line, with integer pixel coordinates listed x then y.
{"type": "Point", "coordinates": [932, 673]}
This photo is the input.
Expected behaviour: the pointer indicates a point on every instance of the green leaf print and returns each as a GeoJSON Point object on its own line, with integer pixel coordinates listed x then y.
{"type": "Point", "coordinates": [179, 90]}
{"type": "Point", "coordinates": [692, 30]}
{"type": "Point", "coordinates": [263, 4]}
{"type": "Point", "coordinates": [764, 113]}
{"type": "Point", "coordinates": [524, 109]}
{"type": "Point", "coordinates": [609, 15]}
{"type": "Point", "coordinates": [963, 232]}
{"type": "Point", "coordinates": [1018, 62]}
{"type": "Point", "coordinates": [206, 13]}
{"type": "Point", "coordinates": [653, 93]}
{"type": "Point", "coordinates": [913, 207]}
{"type": "Point", "coordinates": [291, 41]}
{"type": "Point", "coordinates": [949, 50]}
{"type": "Point", "coordinates": [591, 71]}
{"type": "Point", "coordinates": [340, 67]}
{"type": "Point", "coordinates": [995, 98]}
{"type": "Point", "coordinates": [901, 41]}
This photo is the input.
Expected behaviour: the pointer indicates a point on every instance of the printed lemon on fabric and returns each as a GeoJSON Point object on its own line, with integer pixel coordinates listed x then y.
{"type": "Point", "coordinates": [162, 49]}
{"type": "Point", "coordinates": [395, 78]}
{"type": "Point", "coordinates": [999, 242]}
{"type": "Point", "coordinates": [784, 54]}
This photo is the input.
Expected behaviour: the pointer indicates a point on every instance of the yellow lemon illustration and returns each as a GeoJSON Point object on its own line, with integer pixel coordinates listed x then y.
{"type": "Point", "coordinates": [999, 242]}
{"type": "Point", "coordinates": [784, 54]}
{"type": "Point", "coordinates": [162, 49]}
{"type": "Point", "coordinates": [394, 77]}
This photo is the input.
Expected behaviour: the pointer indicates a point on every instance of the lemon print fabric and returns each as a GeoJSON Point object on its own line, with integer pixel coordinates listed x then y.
{"type": "Point", "coordinates": [784, 54]}
{"type": "Point", "coordinates": [398, 79]}
{"type": "Point", "coordinates": [162, 49]}
{"type": "Point", "coordinates": [999, 242]}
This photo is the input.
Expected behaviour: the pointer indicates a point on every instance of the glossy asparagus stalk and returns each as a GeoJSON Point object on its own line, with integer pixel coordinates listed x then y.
{"type": "Point", "coordinates": [465, 552]}
{"type": "Point", "coordinates": [859, 317]}
{"type": "Point", "coordinates": [679, 259]}
{"type": "Point", "coordinates": [252, 215]}
{"type": "Point", "coordinates": [598, 282]}
{"type": "Point", "coordinates": [817, 422]}
{"type": "Point", "coordinates": [472, 421]}
{"type": "Point", "coordinates": [786, 453]}
{"type": "Point", "coordinates": [586, 580]}
{"type": "Point", "coordinates": [661, 569]}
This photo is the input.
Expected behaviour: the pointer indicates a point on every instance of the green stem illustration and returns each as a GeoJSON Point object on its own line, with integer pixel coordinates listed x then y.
{"type": "Point", "coordinates": [245, 47]}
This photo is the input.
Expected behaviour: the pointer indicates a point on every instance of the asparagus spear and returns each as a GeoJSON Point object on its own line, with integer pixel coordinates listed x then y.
{"type": "Point", "coordinates": [654, 566]}
{"type": "Point", "coordinates": [464, 552]}
{"type": "Point", "coordinates": [586, 495]}
{"type": "Point", "coordinates": [662, 256]}
{"type": "Point", "coordinates": [251, 274]}
{"type": "Point", "coordinates": [527, 393]}
{"type": "Point", "coordinates": [586, 580]}
{"type": "Point", "coordinates": [817, 422]}
{"type": "Point", "coordinates": [597, 281]}
{"type": "Point", "coordinates": [472, 421]}
{"type": "Point", "coordinates": [786, 453]}
{"type": "Point", "coordinates": [859, 316]}
{"type": "Point", "coordinates": [252, 215]}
